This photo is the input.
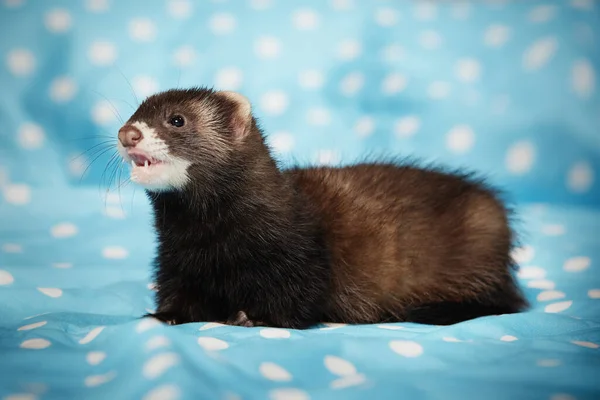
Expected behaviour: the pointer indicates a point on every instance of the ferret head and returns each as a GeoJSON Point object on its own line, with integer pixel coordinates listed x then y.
{"type": "Point", "coordinates": [173, 131]}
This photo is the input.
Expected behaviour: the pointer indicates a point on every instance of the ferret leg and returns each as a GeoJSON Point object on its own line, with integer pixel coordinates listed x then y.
{"type": "Point", "coordinates": [241, 319]}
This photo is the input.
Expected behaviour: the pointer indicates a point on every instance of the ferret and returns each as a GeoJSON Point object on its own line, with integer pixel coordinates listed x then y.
{"type": "Point", "coordinates": [244, 242]}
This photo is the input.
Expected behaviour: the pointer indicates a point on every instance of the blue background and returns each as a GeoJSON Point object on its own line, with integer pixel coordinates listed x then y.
{"type": "Point", "coordinates": [507, 88]}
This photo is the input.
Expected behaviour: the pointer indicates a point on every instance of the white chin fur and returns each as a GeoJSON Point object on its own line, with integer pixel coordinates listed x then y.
{"type": "Point", "coordinates": [169, 174]}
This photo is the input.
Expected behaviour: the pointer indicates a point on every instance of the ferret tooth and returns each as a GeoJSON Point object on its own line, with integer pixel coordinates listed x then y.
{"type": "Point", "coordinates": [133, 163]}
{"type": "Point", "coordinates": [146, 163]}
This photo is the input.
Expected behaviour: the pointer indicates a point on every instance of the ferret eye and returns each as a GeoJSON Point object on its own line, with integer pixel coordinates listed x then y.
{"type": "Point", "coordinates": [177, 121]}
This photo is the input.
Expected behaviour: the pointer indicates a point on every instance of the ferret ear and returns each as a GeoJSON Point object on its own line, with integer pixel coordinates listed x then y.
{"type": "Point", "coordinates": [241, 118]}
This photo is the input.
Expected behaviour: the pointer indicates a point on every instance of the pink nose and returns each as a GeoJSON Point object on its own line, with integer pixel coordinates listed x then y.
{"type": "Point", "coordinates": [129, 136]}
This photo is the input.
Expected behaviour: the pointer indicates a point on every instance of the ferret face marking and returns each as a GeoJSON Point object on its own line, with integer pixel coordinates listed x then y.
{"type": "Point", "coordinates": [172, 131]}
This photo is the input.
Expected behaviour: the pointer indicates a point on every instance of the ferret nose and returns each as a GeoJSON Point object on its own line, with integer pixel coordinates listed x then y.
{"type": "Point", "coordinates": [129, 136]}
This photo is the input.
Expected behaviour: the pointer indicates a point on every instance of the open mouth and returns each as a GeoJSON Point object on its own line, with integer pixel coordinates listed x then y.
{"type": "Point", "coordinates": [139, 159]}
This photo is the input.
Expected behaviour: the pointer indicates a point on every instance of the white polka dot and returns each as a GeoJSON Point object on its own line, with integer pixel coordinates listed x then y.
{"type": "Point", "coordinates": [562, 396]}
{"type": "Point", "coordinates": [508, 338]}
{"type": "Point", "coordinates": [496, 35]}
{"type": "Point", "coordinates": [365, 126]}
{"type": "Point", "coordinates": [541, 284]}
{"type": "Point", "coordinates": [142, 30]}
{"type": "Point", "coordinates": [539, 53]}
{"type": "Point", "coordinates": [274, 333]}
{"type": "Point", "coordinates": [349, 49]}
{"type": "Point", "coordinates": [520, 157]}
{"type": "Point", "coordinates": [282, 142]}
{"type": "Point", "coordinates": [407, 126]}
{"type": "Point", "coordinates": [222, 23]}
{"type": "Point", "coordinates": [4, 178]}
{"type": "Point", "coordinates": [12, 248]}
{"type": "Point", "coordinates": [184, 56]}
{"type": "Point", "coordinates": [35, 344]}
{"type": "Point", "coordinates": [392, 53]}
{"type": "Point", "coordinates": [32, 326]}
{"type": "Point", "coordinates": [91, 335]}
{"type": "Point", "coordinates": [450, 339]}
{"type": "Point", "coordinates": [212, 344]}
{"type": "Point", "coordinates": [274, 372]}
{"type": "Point", "coordinates": [267, 47]}
{"type": "Point", "coordinates": [393, 83]}
{"type": "Point", "coordinates": [58, 20]}
{"type": "Point", "coordinates": [229, 78]}
{"type": "Point", "coordinates": [583, 78]}
{"type": "Point", "coordinates": [352, 83]}
{"type": "Point", "coordinates": [157, 342]}
{"type": "Point", "coordinates": [164, 392]}
{"type": "Point", "coordinates": [390, 327]}
{"type": "Point", "coordinates": [406, 348]}
{"type": "Point", "coordinates": [17, 194]}
{"type": "Point", "coordinates": [339, 366]}
{"type": "Point", "coordinates": [261, 4]}
{"type": "Point", "coordinates": [318, 116]}
{"type": "Point", "coordinates": [523, 254]}
{"type": "Point", "coordinates": [592, 293]}
{"type": "Point", "coordinates": [531, 273]}
{"type": "Point", "coordinates": [159, 364]}
{"type": "Point", "coordinates": [114, 252]}
{"type": "Point", "coordinates": [31, 136]}
{"type": "Point", "coordinates": [64, 230]}
{"type": "Point", "coordinates": [584, 5]}
{"type": "Point", "coordinates": [21, 396]}
{"type": "Point", "coordinates": [103, 113]}
{"type": "Point", "coordinates": [97, 380]}
{"type": "Point", "coordinates": [6, 278]}
{"type": "Point", "coordinates": [550, 295]}
{"type": "Point", "coordinates": [97, 6]}
{"type": "Point", "coordinates": [553, 229]}
{"type": "Point", "coordinates": [327, 157]}
{"type": "Point", "coordinates": [460, 139]}
{"type": "Point", "coordinates": [274, 102]}
{"type": "Point", "coordinates": [95, 357]}
{"type": "Point", "coordinates": [342, 5]}
{"type": "Point", "coordinates": [332, 325]}
{"type": "Point", "coordinates": [144, 85]}
{"type": "Point", "coordinates": [386, 17]}
{"type": "Point", "coordinates": [558, 307]}
{"type": "Point", "coordinates": [77, 165]}
{"type": "Point", "coordinates": [114, 212]}
{"type": "Point", "coordinates": [548, 362]}
{"type": "Point", "coordinates": [430, 40]}
{"type": "Point", "coordinates": [62, 89]}
{"type": "Point", "coordinates": [580, 177]}
{"type": "Point", "coordinates": [179, 8]}
{"type": "Point", "coordinates": [51, 292]}
{"type": "Point", "coordinates": [543, 13]}
{"type": "Point", "coordinates": [577, 264]}
{"type": "Point", "coordinates": [311, 79]}
{"type": "Point", "coordinates": [348, 381]}
{"type": "Point", "coordinates": [305, 19]}
{"type": "Point", "coordinates": [288, 394]}
{"type": "Point", "coordinates": [13, 3]}
{"type": "Point", "coordinates": [211, 325]}
{"type": "Point", "coordinates": [589, 345]}
{"type": "Point", "coordinates": [102, 53]}
{"type": "Point", "coordinates": [438, 90]}
{"type": "Point", "coordinates": [147, 324]}
{"type": "Point", "coordinates": [468, 70]}
{"type": "Point", "coordinates": [20, 62]}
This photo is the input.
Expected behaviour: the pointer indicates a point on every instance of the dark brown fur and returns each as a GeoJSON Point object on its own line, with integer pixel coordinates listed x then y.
{"type": "Point", "coordinates": [367, 243]}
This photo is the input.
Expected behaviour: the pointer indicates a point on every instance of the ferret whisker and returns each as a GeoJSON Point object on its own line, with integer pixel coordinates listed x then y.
{"type": "Point", "coordinates": [102, 152]}
{"type": "Point", "coordinates": [130, 87]}
{"type": "Point", "coordinates": [112, 107]}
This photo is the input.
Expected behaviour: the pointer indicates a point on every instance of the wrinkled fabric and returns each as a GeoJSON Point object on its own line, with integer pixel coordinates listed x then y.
{"type": "Point", "coordinates": [508, 89]}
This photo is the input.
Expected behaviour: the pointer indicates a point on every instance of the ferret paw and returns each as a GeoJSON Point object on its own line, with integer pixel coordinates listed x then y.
{"type": "Point", "coordinates": [241, 319]}
{"type": "Point", "coordinates": [164, 317]}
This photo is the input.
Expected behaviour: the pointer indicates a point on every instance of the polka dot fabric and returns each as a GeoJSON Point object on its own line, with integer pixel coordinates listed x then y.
{"type": "Point", "coordinates": [509, 88]}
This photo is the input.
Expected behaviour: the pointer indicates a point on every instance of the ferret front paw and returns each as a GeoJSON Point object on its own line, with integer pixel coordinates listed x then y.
{"type": "Point", "coordinates": [165, 317]}
{"type": "Point", "coordinates": [241, 319]}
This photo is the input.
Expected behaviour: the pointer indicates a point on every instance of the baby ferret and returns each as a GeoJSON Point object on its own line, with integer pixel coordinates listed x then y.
{"type": "Point", "coordinates": [243, 242]}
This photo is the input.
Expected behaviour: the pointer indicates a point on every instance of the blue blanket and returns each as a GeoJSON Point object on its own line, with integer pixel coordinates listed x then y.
{"type": "Point", "coordinates": [506, 88]}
